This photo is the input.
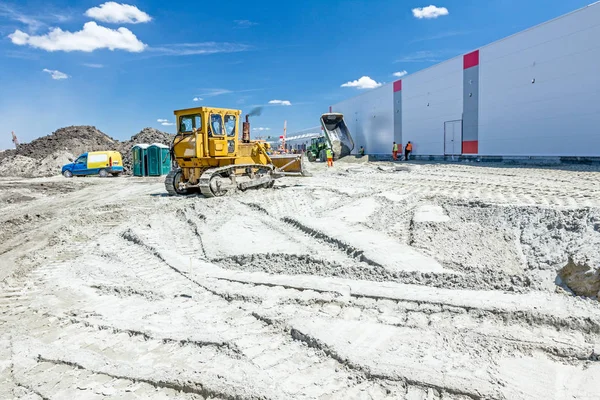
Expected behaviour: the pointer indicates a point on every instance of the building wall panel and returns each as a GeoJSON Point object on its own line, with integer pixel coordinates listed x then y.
{"type": "Point", "coordinates": [535, 93]}
{"type": "Point", "coordinates": [429, 98]}
{"type": "Point", "coordinates": [539, 90]}
{"type": "Point", "coordinates": [369, 117]}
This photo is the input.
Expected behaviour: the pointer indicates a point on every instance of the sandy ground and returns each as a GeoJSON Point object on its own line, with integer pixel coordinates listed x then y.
{"type": "Point", "coordinates": [365, 281]}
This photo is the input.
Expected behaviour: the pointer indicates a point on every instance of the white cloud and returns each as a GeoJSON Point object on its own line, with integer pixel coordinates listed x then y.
{"type": "Point", "coordinates": [429, 12]}
{"type": "Point", "coordinates": [216, 92]}
{"type": "Point", "coordinates": [33, 22]}
{"type": "Point", "coordinates": [56, 74]}
{"type": "Point", "coordinates": [244, 23]}
{"type": "Point", "coordinates": [400, 74]}
{"type": "Point", "coordinates": [260, 129]}
{"type": "Point", "coordinates": [198, 99]}
{"type": "Point", "coordinates": [281, 102]}
{"type": "Point", "coordinates": [442, 35]}
{"type": "Point", "coordinates": [206, 92]}
{"type": "Point", "coordinates": [201, 48]}
{"type": "Point", "coordinates": [430, 56]}
{"type": "Point", "coordinates": [421, 56]}
{"type": "Point", "coordinates": [114, 13]}
{"type": "Point", "coordinates": [165, 122]}
{"type": "Point", "coordinates": [93, 65]}
{"type": "Point", "coordinates": [91, 37]}
{"type": "Point", "coordinates": [363, 82]}
{"type": "Point", "coordinates": [162, 120]}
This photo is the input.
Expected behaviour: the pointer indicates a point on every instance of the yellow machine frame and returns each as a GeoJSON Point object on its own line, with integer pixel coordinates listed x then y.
{"type": "Point", "coordinates": [208, 138]}
{"type": "Point", "coordinates": [197, 151]}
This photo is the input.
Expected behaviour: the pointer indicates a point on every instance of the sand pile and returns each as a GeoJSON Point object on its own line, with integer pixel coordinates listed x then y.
{"type": "Point", "coordinates": [72, 139]}
{"type": "Point", "coordinates": [28, 167]}
{"type": "Point", "coordinates": [46, 155]}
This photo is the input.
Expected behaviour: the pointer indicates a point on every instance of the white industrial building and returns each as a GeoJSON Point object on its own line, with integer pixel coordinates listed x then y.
{"type": "Point", "coordinates": [298, 141]}
{"type": "Point", "coordinates": [535, 93]}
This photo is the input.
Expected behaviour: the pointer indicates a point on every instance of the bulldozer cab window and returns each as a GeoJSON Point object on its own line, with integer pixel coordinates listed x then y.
{"type": "Point", "coordinates": [230, 125]}
{"type": "Point", "coordinates": [188, 122]}
{"type": "Point", "coordinates": [216, 125]}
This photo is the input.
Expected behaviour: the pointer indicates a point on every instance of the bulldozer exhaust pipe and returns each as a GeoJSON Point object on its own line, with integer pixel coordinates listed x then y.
{"type": "Point", "coordinates": [246, 130]}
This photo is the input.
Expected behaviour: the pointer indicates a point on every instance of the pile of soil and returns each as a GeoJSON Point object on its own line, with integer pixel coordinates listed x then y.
{"type": "Point", "coordinates": [46, 155]}
{"type": "Point", "coordinates": [72, 139]}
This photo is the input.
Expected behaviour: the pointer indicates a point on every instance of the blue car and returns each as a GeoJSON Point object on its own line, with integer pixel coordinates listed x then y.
{"type": "Point", "coordinates": [100, 163]}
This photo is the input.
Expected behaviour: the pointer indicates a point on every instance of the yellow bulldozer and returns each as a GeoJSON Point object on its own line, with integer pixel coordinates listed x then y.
{"type": "Point", "coordinates": [211, 157]}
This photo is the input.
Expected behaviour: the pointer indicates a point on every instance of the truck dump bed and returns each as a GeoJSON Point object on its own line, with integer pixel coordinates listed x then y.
{"type": "Point", "coordinates": [337, 134]}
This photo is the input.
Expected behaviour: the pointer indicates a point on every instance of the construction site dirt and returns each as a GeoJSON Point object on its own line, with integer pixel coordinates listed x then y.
{"type": "Point", "coordinates": [362, 281]}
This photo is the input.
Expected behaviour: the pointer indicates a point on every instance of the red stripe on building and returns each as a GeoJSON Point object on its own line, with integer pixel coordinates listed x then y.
{"type": "Point", "coordinates": [471, 59]}
{"type": "Point", "coordinates": [470, 147]}
{"type": "Point", "coordinates": [398, 86]}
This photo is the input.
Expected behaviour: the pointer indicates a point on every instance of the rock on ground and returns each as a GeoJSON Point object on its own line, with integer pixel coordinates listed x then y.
{"type": "Point", "coordinates": [581, 278]}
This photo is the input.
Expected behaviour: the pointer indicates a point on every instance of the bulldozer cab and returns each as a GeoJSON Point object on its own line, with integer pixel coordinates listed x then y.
{"type": "Point", "coordinates": [206, 132]}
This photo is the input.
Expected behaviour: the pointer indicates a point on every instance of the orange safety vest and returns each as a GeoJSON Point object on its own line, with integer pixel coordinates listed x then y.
{"type": "Point", "coordinates": [409, 147]}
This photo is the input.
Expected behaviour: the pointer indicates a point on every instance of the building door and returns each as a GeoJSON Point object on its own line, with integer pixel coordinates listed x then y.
{"type": "Point", "coordinates": [453, 138]}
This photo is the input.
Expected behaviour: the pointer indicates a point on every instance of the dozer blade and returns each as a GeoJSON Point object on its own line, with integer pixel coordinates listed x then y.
{"type": "Point", "coordinates": [288, 164]}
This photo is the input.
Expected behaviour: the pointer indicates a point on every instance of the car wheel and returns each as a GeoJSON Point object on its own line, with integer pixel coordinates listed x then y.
{"type": "Point", "coordinates": [67, 174]}
{"type": "Point", "coordinates": [103, 173]}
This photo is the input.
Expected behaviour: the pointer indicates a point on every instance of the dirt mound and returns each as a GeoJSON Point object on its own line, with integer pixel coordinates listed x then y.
{"type": "Point", "coordinates": [46, 155]}
{"type": "Point", "coordinates": [29, 167]}
{"type": "Point", "coordinates": [72, 139]}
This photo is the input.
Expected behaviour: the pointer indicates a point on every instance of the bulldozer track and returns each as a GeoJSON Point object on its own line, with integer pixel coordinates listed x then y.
{"type": "Point", "coordinates": [249, 339]}
{"type": "Point", "coordinates": [205, 179]}
{"type": "Point", "coordinates": [169, 186]}
{"type": "Point", "coordinates": [271, 344]}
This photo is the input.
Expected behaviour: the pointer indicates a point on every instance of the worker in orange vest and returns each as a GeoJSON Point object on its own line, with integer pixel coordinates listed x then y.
{"type": "Point", "coordinates": [407, 150]}
{"type": "Point", "coordinates": [329, 157]}
{"type": "Point", "coordinates": [395, 152]}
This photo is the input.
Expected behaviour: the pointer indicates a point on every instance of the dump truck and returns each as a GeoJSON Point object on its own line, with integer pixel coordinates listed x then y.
{"type": "Point", "coordinates": [210, 156]}
{"type": "Point", "coordinates": [337, 135]}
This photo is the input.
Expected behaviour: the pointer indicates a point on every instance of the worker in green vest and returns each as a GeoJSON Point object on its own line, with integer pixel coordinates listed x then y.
{"type": "Point", "coordinates": [329, 157]}
{"type": "Point", "coordinates": [395, 152]}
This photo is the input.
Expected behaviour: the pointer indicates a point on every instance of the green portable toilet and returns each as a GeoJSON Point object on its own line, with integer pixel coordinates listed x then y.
{"type": "Point", "coordinates": [159, 159]}
{"type": "Point", "coordinates": [165, 166]}
{"type": "Point", "coordinates": [139, 156]}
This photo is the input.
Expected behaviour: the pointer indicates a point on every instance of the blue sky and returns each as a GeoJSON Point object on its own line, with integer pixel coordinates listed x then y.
{"type": "Point", "coordinates": [234, 54]}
